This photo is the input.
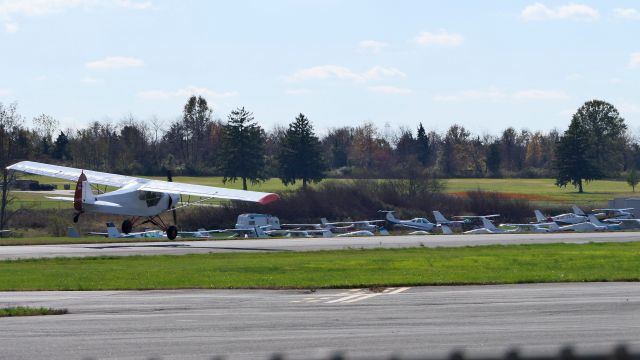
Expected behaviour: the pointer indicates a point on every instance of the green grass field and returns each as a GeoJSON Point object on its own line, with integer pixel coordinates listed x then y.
{"type": "Point", "coordinates": [332, 269]}
{"type": "Point", "coordinates": [542, 191]}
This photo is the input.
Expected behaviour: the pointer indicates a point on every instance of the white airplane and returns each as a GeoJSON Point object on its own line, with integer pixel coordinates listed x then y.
{"type": "Point", "coordinates": [579, 227]}
{"type": "Point", "coordinates": [614, 214]}
{"type": "Point", "coordinates": [608, 226]}
{"type": "Point", "coordinates": [143, 200]}
{"type": "Point", "coordinates": [625, 224]}
{"type": "Point", "coordinates": [529, 228]}
{"type": "Point", "coordinates": [576, 217]}
{"type": "Point", "coordinates": [112, 232]}
{"type": "Point", "coordinates": [356, 233]}
{"type": "Point", "coordinates": [350, 226]}
{"type": "Point", "coordinates": [4, 232]}
{"type": "Point", "coordinates": [441, 220]}
{"type": "Point", "coordinates": [488, 228]}
{"type": "Point", "coordinates": [415, 223]}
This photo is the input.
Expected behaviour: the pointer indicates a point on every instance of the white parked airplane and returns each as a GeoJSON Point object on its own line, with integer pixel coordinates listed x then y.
{"type": "Point", "coordinates": [143, 200]}
{"type": "Point", "coordinates": [575, 217]}
{"type": "Point", "coordinates": [415, 223]}
{"type": "Point", "coordinates": [614, 214]}
{"type": "Point", "coordinates": [530, 228]}
{"type": "Point", "coordinates": [580, 227]}
{"type": "Point", "coordinates": [350, 226]}
{"type": "Point", "coordinates": [112, 232]}
{"type": "Point", "coordinates": [487, 228]}
{"type": "Point", "coordinates": [608, 226]}
{"type": "Point", "coordinates": [441, 220]}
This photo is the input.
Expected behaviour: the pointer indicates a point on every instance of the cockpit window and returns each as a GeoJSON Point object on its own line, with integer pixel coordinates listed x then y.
{"type": "Point", "coordinates": [150, 197]}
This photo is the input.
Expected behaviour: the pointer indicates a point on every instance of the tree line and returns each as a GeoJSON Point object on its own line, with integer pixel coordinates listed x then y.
{"type": "Point", "coordinates": [596, 145]}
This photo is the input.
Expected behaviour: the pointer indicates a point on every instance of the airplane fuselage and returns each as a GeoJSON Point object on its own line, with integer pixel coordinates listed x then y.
{"type": "Point", "coordinates": [130, 201]}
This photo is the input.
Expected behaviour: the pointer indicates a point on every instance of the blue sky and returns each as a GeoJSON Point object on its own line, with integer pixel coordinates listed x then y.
{"type": "Point", "coordinates": [483, 64]}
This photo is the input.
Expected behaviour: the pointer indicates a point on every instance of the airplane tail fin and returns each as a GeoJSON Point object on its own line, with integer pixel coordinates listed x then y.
{"type": "Point", "coordinates": [72, 232]}
{"type": "Point", "coordinates": [440, 219]}
{"type": "Point", "coordinates": [577, 210]}
{"type": "Point", "coordinates": [446, 230]}
{"type": "Point", "coordinates": [323, 221]}
{"type": "Point", "coordinates": [260, 232]}
{"type": "Point", "coordinates": [488, 224]}
{"type": "Point", "coordinates": [390, 217]}
{"type": "Point", "coordinates": [327, 233]}
{"type": "Point", "coordinates": [595, 221]}
{"type": "Point", "coordinates": [539, 216]}
{"type": "Point", "coordinates": [554, 227]}
{"type": "Point", "coordinates": [112, 231]}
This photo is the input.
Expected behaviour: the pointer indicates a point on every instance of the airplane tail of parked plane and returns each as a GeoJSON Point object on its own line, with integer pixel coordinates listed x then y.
{"type": "Point", "coordinates": [440, 219]}
{"type": "Point", "coordinates": [390, 216]}
{"type": "Point", "coordinates": [446, 230]}
{"type": "Point", "coordinates": [488, 224]}
{"type": "Point", "coordinates": [539, 216]}
{"type": "Point", "coordinates": [112, 231]}
{"type": "Point", "coordinates": [577, 210]}
{"type": "Point", "coordinates": [324, 221]}
{"type": "Point", "coordinates": [595, 221]}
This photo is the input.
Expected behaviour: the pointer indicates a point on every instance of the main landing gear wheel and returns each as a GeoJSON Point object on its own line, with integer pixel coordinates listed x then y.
{"type": "Point", "coordinates": [172, 232]}
{"type": "Point", "coordinates": [127, 226]}
{"type": "Point", "coordinates": [75, 218]}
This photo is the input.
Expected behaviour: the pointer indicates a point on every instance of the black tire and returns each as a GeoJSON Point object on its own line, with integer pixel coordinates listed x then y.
{"type": "Point", "coordinates": [172, 232]}
{"type": "Point", "coordinates": [75, 218]}
{"type": "Point", "coordinates": [127, 226]}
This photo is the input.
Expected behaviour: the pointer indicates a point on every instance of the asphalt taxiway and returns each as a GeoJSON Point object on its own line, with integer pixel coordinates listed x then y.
{"type": "Point", "coordinates": [198, 324]}
{"type": "Point", "coordinates": [303, 244]}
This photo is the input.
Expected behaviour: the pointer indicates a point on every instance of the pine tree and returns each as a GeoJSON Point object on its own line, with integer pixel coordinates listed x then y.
{"type": "Point", "coordinates": [633, 179]}
{"type": "Point", "coordinates": [300, 156]}
{"type": "Point", "coordinates": [423, 146]}
{"type": "Point", "coordinates": [242, 154]}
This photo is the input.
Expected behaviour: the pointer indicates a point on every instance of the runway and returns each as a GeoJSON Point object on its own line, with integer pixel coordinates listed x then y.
{"type": "Point", "coordinates": [197, 324]}
{"type": "Point", "coordinates": [304, 244]}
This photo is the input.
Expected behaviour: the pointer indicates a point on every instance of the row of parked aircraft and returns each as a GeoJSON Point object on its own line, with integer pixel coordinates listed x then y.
{"type": "Point", "coordinates": [142, 201]}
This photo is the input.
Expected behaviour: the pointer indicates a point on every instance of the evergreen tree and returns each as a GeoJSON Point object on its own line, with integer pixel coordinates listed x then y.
{"type": "Point", "coordinates": [60, 147]}
{"type": "Point", "coordinates": [423, 146]}
{"type": "Point", "coordinates": [493, 158]}
{"type": "Point", "coordinates": [242, 154]}
{"type": "Point", "coordinates": [300, 155]}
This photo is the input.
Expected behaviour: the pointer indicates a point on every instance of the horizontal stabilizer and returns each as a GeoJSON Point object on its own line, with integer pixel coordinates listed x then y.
{"type": "Point", "coordinates": [62, 198]}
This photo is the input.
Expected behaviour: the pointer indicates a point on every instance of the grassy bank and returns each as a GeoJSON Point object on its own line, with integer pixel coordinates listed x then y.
{"type": "Point", "coordinates": [332, 269]}
{"type": "Point", "coordinates": [28, 311]}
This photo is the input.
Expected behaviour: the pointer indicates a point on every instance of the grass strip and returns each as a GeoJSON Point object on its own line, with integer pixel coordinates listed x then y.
{"type": "Point", "coordinates": [332, 269]}
{"type": "Point", "coordinates": [29, 311]}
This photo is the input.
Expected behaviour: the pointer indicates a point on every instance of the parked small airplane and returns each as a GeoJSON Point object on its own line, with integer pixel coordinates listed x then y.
{"type": "Point", "coordinates": [529, 228]}
{"type": "Point", "coordinates": [441, 220]}
{"type": "Point", "coordinates": [625, 224]}
{"type": "Point", "coordinates": [487, 228]}
{"type": "Point", "coordinates": [579, 227]}
{"type": "Point", "coordinates": [608, 226]}
{"type": "Point", "coordinates": [575, 217]}
{"type": "Point", "coordinates": [112, 232]}
{"type": "Point", "coordinates": [350, 226]}
{"type": "Point", "coordinates": [415, 223]}
{"type": "Point", "coordinates": [143, 200]}
{"type": "Point", "coordinates": [614, 214]}
{"type": "Point", "coordinates": [4, 232]}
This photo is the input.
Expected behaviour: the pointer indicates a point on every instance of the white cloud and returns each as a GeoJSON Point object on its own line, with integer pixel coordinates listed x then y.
{"type": "Point", "coordinates": [9, 9]}
{"type": "Point", "coordinates": [343, 73]}
{"type": "Point", "coordinates": [441, 38]}
{"type": "Point", "coordinates": [386, 89]}
{"type": "Point", "coordinates": [183, 93]}
{"type": "Point", "coordinates": [634, 60]}
{"type": "Point", "coordinates": [4, 92]}
{"type": "Point", "coordinates": [632, 14]}
{"type": "Point", "coordinates": [114, 62]}
{"type": "Point", "coordinates": [297, 91]}
{"type": "Point", "coordinates": [11, 27]}
{"type": "Point", "coordinates": [493, 94]}
{"type": "Point", "coordinates": [540, 95]}
{"type": "Point", "coordinates": [538, 12]}
{"type": "Point", "coordinates": [372, 46]}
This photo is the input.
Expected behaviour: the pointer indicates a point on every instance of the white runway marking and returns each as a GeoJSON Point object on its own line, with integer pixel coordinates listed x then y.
{"type": "Point", "coordinates": [351, 296]}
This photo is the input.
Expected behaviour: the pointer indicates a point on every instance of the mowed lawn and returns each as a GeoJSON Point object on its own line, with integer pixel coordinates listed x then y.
{"type": "Point", "coordinates": [332, 269]}
{"type": "Point", "coordinates": [597, 193]}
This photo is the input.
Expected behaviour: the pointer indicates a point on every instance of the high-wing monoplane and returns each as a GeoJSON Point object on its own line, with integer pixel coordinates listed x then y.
{"type": "Point", "coordinates": [141, 200]}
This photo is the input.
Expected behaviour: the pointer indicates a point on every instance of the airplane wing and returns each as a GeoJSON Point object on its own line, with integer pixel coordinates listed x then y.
{"type": "Point", "coordinates": [102, 178]}
{"type": "Point", "coordinates": [72, 174]}
{"type": "Point", "coordinates": [475, 216]}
